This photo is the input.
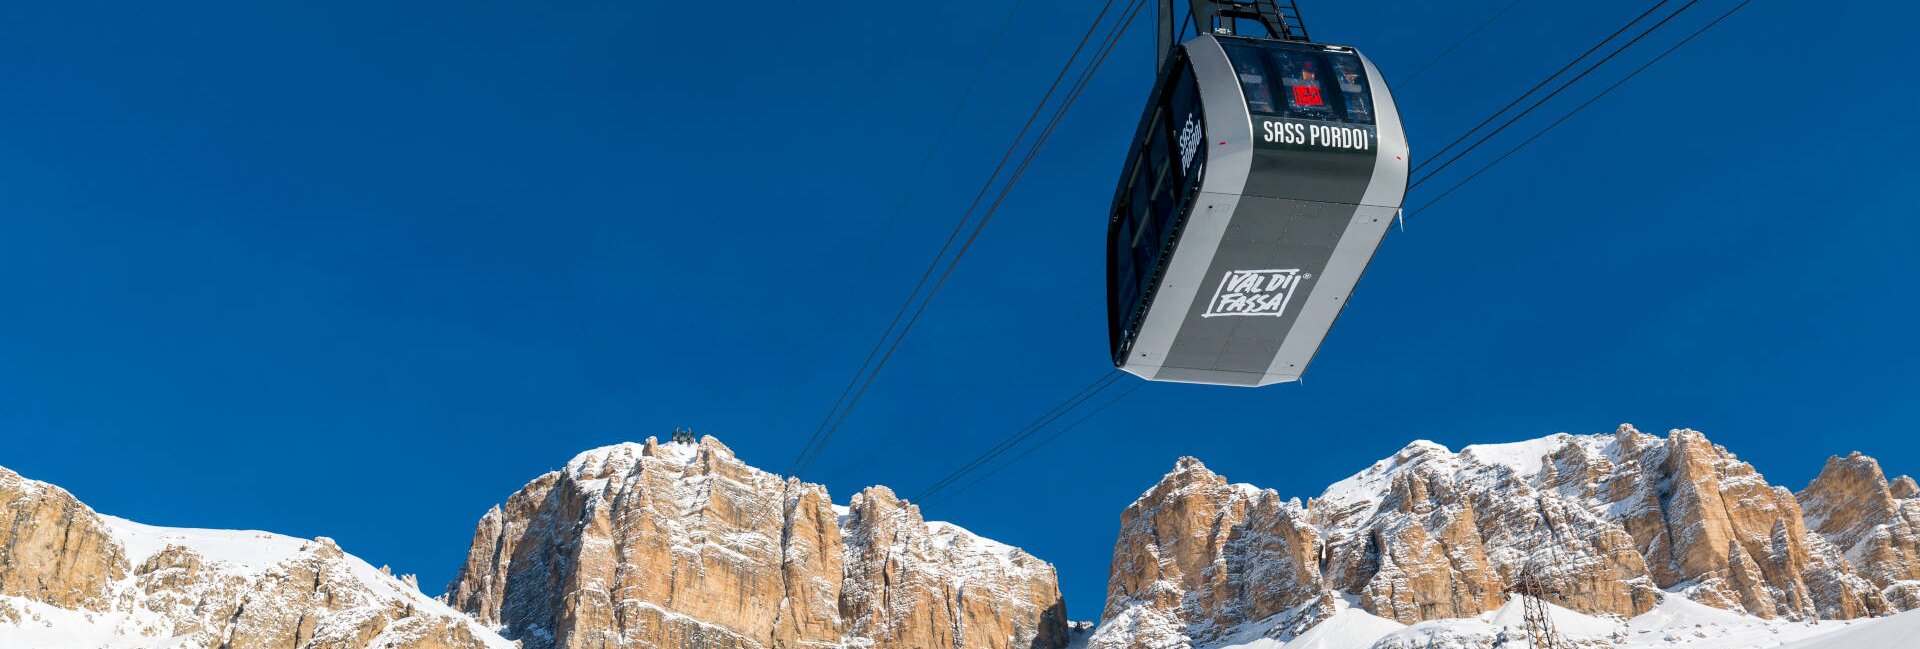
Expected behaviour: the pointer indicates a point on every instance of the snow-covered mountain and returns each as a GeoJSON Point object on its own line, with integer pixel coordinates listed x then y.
{"type": "Point", "coordinates": [1620, 529]}
{"type": "Point", "coordinates": [683, 545]}
{"type": "Point", "coordinates": [1639, 541]}
{"type": "Point", "coordinates": [665, 546]}
{"type": "Point", "coordinates": [71, 578]}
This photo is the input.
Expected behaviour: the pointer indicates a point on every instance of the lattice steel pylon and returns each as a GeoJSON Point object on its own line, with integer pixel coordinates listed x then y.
{"type": "Point", "coordinates": [1541, 633]}
{"type": "Point", "coordinates": [1532, 589]}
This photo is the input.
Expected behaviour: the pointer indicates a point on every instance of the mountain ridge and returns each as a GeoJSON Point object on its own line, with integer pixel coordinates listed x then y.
{"type": "Point", "coordinates": [71, 577]}
{"type": "Point", "coordinates": [1642, 541]}
{"type": "Point", "coordinates": [651, 544]}
{"type": "Point", "coordinates": [1613, 523]}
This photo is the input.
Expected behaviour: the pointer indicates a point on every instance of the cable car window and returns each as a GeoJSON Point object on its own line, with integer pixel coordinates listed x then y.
{"type": "Point", "coordinates": [1162, 175]}
{"type": "Point", "coordinates": [1352, 77]}
{"type": "Point", "coordinates": [1125, 283]}
{"type": "Point", "coordinates": [1253, 78]}
{"type": "Point", "coordinates": [1140, 200]}
{"type": "Point", "coordinates": [1303, 81]}
{"type": "Point", "coordinates": [1157, 150]}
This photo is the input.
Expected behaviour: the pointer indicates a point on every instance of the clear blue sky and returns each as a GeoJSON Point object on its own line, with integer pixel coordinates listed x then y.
{"type": "Point", "coordinates": [363, 269]}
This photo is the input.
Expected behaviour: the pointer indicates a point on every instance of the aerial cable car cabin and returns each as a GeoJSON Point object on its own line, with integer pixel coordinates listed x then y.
{"type": "Point", "coordinates": [1262, 178]}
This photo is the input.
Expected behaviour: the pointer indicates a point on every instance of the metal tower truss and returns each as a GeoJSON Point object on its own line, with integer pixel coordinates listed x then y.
{"type": "Point", "coordinates": [1280, 18]}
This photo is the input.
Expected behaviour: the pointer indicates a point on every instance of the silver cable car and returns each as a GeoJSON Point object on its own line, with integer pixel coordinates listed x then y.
{"type": "Point", "coordinates": [1263, 175]}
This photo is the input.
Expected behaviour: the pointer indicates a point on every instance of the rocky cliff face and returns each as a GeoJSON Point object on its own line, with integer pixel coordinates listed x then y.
{"type": "Point", "coordinates": [1609, 524]}
{"type": "Point", "coordinates": [683, 545]}
{"type": "Point", "coordinates": [70, 577]}
{"type": "Point", "coordinates": [1874, 523]}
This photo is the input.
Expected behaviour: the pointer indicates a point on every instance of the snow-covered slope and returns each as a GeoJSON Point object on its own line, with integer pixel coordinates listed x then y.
{"type": "Point", "coordinates": [1676, 623]}
{"type": "Point", "coordinates": [1896, 632]}
{"type": "Point", "coordinates": [74, 579]}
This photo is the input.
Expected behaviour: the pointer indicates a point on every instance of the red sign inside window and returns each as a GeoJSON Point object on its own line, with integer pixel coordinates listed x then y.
{"type": "Point", "coordinates": [1307, 96]}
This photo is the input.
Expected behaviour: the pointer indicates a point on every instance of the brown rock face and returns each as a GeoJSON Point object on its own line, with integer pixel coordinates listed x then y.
{"type": "Point", "coordinates": [1605, 522]}
{"type": "Point", "coordinates": [682, 545]}
{"type": "Point", "coordinates": [1195, 549]}
{"type": "Point", "coordinates": [1873, 524]}
{"type": "Point", "coordinates": [1737, 539]}
{"type": "Point", "coordinates": [1430, 561]}
{"type": "Point", "coordinates": [52, 548]}
{"type": "Point", "coordinates": [900, 589]}
{"type": "Point", "coordinates": [204, 588]}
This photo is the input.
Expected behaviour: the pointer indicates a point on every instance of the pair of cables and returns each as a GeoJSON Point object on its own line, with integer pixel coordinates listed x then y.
{"type": "Point", "coordinates": [948, 257]}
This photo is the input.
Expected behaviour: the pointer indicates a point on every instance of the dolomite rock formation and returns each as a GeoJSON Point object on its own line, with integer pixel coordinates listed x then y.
{"type": "Point", "coordinates": [683, 545]}
{"type": "Point", "coordinates": [1874, 523]}
{"type": "Point", "coordinates": [1609, 524]}
{"type": "Point", "coordinates": [77, 578]}
{"type": "Point", "coordinates": [52, 548]}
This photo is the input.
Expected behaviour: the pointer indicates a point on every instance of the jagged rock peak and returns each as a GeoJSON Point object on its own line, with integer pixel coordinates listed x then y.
{"type": "Point", "coordinates": [1195, 548]}
{"type": "Point", "coordinates": [616, 459]}
{"type": "Point", "coordinates": [1904, 487]}
{"type": "Point", "coordinates": [1420, 448]}
{"type": "Point", "coordinates": [681, 544]}
{"type": "Point", "coordinates": [1187, 471]}
{"type": "Point", "coordinates": [1847, 492]}
{"type": "Point", "coordinates": [1874, 522]}
{"type": "Point", "coordinates": [1611, 523]}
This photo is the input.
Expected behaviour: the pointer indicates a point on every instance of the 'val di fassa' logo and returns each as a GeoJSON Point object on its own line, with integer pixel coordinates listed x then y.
{"type": "Point", "coordinates": [1254, 292]}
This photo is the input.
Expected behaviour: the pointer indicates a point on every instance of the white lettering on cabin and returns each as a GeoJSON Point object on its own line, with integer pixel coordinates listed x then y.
{"type": "Point", "coordinates": [1189, 143]}
{"type": "Point", "coordinates": [1284, 132]}
{"type": "Point", "coordinates": [1319, 135]}
{"type": "Point", "coordinates": [1254, 292]}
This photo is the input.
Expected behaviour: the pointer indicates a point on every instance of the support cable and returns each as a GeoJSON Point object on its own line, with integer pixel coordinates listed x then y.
{"type": "Point", "coordinates": [1052, 414]}
{"type": "Point", "coordinates": [943, 497]}
{"type": "Point", "coordinates": [1543, 83]}
{"type": "Point", "coordinates": [1456, 44]}
{"type": "Point", "coordinates": [1556, 92]}
{"type": "Point", "coordinates": [1643, 68]}
{"type": "Point", "coordinates": [868, 368]}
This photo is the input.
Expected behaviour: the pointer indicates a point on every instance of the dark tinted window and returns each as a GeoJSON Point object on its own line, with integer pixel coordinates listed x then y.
{"type": "Point", "coordinates": [1351, 76]}
{"type": "Point", "coordinates": [1254, 80]}
{"type": "Point", "coordinates": [1163, 174]}
{"type": "Point", "coordinates": [1301, 81]}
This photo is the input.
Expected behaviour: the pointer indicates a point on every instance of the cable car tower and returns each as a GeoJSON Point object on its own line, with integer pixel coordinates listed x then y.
{"type": "Point", "coordinates": [1281, 20]}
{"type": "Point", "coordinates": [1531, 586]}
{"type": "Point", "coordinates": [1265, 171]}
{"type": "Point", "coordinates": [1537, 618]}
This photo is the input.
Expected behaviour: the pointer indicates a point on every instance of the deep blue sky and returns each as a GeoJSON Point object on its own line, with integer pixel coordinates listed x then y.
{"type": "Point", "coordinates": [363, 269]}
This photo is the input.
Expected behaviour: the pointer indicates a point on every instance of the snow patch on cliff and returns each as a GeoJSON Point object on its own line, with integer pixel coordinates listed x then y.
{"type": "Point", "coordinates": [249, 551]}
{"type": "Point", "coordinates": [1524, 458]}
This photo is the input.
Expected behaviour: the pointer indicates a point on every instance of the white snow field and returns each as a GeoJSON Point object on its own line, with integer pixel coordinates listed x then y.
{"type": "Point", "coordinates": [1892, 632]}
{"type": "Point", "coordinates": [1677, 623]}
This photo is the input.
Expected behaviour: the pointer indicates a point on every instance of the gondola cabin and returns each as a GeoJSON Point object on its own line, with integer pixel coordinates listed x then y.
{"type": "Point", "coordinates": [1261, 179]}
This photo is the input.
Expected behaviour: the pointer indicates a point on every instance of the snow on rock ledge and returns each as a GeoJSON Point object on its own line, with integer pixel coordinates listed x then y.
{"type": "Point", "coordinates": [73, 579]}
